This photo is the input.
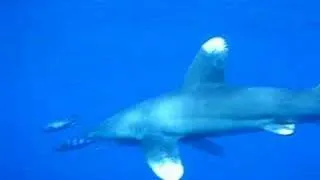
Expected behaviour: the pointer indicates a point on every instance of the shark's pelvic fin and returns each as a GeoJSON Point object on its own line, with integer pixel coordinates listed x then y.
{"type": "Point", "coordinates": [207, 146]}
{"type": "Point", "coordinates": [208, 65]}
{"type": "Point", "coordinates": [163, 157]}
{"type": "Point", "coordinates": [281, 129]}
{"type": "Point", "coordinates": [289, 129]}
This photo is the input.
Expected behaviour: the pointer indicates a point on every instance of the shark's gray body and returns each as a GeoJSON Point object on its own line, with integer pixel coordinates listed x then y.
{"type": "Point", "coordinates": [205, 107]}
{"type": "Point", "coordinates": [212, 110]}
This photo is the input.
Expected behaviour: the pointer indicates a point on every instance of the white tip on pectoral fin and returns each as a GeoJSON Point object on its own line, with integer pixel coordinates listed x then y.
{"type": "Point", "coordinates": [280, 129]}
{"type": "Point", "coordinates": [167, 168]}
{"type": "Point", "coordinates": [163, 157]}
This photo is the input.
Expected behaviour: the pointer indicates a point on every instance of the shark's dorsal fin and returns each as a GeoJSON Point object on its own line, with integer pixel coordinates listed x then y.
{"type": "Point", "coordinates": [163, 157]}
{"type": "Point", "coordinates": [208, 65]}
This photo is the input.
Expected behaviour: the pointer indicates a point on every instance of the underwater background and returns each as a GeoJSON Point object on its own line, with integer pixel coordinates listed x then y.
{"type": "Point", "coordinates": [94, 57]}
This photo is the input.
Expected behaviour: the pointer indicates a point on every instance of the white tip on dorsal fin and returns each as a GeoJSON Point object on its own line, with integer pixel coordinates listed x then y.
{"type": "Point", "coordinates": [280, 129]}
{"type": "Point", "coordinates": [215, 45]}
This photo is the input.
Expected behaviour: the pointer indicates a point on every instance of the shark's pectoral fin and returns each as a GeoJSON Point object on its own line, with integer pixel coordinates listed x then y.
{"type": "Point", "coordinates": [281, 129]}
{"type": "Point", "coordinates": [207, 146]}
{"type": "Point", "coordinates": [163, 157]}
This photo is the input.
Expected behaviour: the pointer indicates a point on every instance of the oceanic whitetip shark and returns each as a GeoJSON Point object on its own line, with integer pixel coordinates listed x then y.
{"type": "Point", "coordinates": [204, 106]}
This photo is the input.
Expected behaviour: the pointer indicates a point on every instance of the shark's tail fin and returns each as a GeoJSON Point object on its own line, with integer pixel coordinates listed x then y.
{"type": "Point", "coordinates": [74, 143]}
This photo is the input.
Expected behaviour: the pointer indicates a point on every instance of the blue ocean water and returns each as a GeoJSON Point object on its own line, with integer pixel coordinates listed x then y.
{"type": "Point", "coordinates": [94, 57]}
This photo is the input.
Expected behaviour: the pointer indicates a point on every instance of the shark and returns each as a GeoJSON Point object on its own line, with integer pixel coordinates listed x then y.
{"type": "Point", "coordinates": [205, 106]}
